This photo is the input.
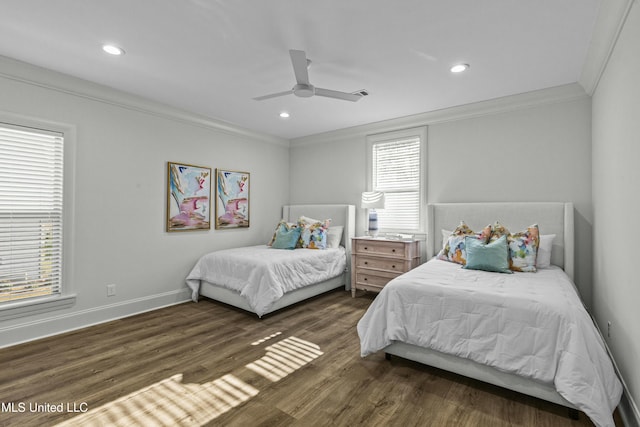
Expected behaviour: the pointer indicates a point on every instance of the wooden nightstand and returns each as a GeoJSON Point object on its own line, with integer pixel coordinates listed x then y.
{"type": "Point", "coordinates": [376, 261]}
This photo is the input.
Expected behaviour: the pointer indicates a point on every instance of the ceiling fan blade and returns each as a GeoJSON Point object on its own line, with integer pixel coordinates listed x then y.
{"type": "Point", "coordinates": [338, 95]}
{"type": "Point", "coordinates": [273, 95]}
{"type": "Point", "coordinates": [299, 61]}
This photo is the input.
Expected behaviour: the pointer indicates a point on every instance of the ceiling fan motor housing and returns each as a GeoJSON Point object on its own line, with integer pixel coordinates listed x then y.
{"type": "Point", "coordinates": [303, 90]}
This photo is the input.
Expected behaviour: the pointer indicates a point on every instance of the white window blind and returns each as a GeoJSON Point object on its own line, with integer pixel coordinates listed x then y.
{"type": "Point", "coordinates": [396, 172]}
{"type": "Point", "coordinates": [31, 167]}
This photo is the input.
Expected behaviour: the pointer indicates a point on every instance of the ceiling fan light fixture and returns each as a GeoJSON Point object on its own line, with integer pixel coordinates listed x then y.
{"type": "Point", "coordinates": [113, 49]}
{"type": "Point", "coordinates": [459, 68]}
{"type": "Point", "coordinates": [285, 115]}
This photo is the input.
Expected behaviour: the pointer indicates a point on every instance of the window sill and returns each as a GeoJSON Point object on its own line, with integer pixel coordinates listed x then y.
{"type": "Point", "coordinates": [34, 306]}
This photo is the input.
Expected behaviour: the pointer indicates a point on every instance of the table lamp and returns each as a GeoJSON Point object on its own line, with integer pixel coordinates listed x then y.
{"type": "Point", "coordinates": [373, 200]}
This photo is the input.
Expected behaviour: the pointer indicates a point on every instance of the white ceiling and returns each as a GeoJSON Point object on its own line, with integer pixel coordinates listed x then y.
{"type": "Point", "coordinates": [212, 57]}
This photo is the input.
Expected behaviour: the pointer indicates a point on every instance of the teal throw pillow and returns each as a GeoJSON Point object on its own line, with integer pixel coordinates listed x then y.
{"type": "Point", "coordinates": [286, 238]}
{"type": "Point", "coordinates": [492, 256]}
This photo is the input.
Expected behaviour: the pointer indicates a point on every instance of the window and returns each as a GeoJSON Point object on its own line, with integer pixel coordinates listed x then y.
{"type": "Point", "coordinates": [31, 217]}
{"type": "Point", "coordinates": [396, 162]}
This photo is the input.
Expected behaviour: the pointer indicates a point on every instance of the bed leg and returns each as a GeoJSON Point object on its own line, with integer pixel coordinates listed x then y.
{"type": "Point", "coordinates": [574, 414]}
{"type": "Point", "coordinates": [387, 356]}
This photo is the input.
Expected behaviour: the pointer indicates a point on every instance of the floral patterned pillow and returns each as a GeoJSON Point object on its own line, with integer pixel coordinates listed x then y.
{"type": "Point", "coordinates": [523, 246]}
{"type": "Point", "coordinates": [453, 249]}
{"type": "Point", "coordinates": [497, 231]}
{"type": "Point", "coordinates": [314, 235]}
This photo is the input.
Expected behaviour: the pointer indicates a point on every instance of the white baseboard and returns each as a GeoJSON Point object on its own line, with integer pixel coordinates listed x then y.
{"type": "Point", "coordinates": [628, 409]}
{"type": "Point", "coordinates": [59, 324]}
{"type": "Point", "coordinates": [627, 406]}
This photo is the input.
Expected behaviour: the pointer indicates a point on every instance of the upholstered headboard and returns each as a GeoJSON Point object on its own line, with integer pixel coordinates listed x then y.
{"type": "Point", "coordinates": [551, 217]}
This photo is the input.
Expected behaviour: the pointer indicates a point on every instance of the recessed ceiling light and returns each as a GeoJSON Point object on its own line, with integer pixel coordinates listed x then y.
{"type": "Point", "coordinates": [112, 49]}
{"type": "Point", "coordinates": [458, 68]}
{"type": "Point", "coordinates": [284, 115]}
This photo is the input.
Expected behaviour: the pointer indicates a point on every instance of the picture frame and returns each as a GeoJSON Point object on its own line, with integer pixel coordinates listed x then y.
{"type": "Point", "coordinates": [188, 197]}
{"type": "Point", "coordinates": [232, 199]}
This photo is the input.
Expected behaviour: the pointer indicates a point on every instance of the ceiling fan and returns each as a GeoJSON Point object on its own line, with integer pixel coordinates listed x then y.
{"type": "Point", "coordinates": [304, 89]}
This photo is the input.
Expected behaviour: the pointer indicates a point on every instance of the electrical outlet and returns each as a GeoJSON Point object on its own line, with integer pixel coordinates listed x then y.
{"type": "Point", "coordinates": [111, 290]}
{"type": "Point", "coordinates": [609, 329]}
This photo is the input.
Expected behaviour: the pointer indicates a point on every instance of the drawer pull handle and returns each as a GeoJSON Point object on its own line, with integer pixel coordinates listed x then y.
{"type": "Point", "coordinates": [366, 263]}
{"type": "Point", "coordinates": [393, 250]}
{"type": "Point", "coordinates": [393, 266]}
{"type": "Point", "coordinates": [365, 279]}
{"type": "Point", "coordinates": [365, 248]}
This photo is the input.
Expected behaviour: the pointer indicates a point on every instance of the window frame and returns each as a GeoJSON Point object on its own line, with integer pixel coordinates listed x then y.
{"type": "Point", "coordinates": [385, 137]}
{"type": "Point", "coordinates": [67, 297]}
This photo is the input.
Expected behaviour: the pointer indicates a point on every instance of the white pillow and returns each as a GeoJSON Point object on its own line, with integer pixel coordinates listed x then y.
{"type": "Point", "coordinates": [543, 259]}
{"type": "Point", "coordinates": [334, 236]}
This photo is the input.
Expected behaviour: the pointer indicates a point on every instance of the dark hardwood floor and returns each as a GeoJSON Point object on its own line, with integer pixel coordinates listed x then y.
{"type": "Point", "coordinates": [210, 364]}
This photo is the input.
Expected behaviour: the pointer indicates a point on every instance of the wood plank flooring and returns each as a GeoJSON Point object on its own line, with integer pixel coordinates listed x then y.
{"type": "Point", "coordinates": [211, 364]}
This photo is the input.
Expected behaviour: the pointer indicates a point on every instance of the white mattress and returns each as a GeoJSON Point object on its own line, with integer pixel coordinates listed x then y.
{"type": "Point", "coordinates": [530, 324]}
{"type": "Point", "coordinates": [262, 274]}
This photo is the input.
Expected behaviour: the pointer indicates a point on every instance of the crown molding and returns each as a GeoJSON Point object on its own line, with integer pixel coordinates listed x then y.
{"type": "Point", "coordinates": [609, 24]}
{"type": "Point", "coordinates": [553, 95]}
{"type": "Point", "coordinates": [23, 72]}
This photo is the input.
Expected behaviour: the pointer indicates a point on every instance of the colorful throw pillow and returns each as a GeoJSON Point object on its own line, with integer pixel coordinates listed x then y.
{"type": "Point", "coordinates": [523, 249]}
{"type": "Point", "coordinates": [313, 234]}
{"type": "Point", "coordinates": [523, 246]}
{"type": "Point", "coordinates": [498, 230]}
{"type": "Point", "coordinates": [284, 226]}
{"type": "Point", "coordinates": [453, 249]}
{"type": "Point", "coordinates": [306, 220]}
{"type": "Point", "coordinates": [492, 256]}
{"type": "Point", "coordinates": [286, 238]}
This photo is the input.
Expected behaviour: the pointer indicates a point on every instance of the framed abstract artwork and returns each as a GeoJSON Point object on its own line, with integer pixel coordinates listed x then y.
{"type": "Point", "coordinates": [232, 199]}
{"type": "Point", "coordinates": [188, 197]}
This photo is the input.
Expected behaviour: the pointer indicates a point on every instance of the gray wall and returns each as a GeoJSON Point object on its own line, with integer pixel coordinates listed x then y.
{"type": "Point", "coordinates": [122, 146]}
{"type": "Point", "coordinates": [532, 147]}
{"type": "Point", "coordinates": [616, 202]}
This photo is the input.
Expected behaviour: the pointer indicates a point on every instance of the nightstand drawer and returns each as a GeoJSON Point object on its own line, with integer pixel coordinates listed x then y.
{"type": "Point", "coordinates": [380, 247]}
{"type": "Point", "coordinates": [369, 278]}
{"type": "Point", "coordinates": [401, 266]}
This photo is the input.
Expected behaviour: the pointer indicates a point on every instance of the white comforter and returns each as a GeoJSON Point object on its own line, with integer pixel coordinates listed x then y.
{"type": "Point", "coordinates": [262, 274]}
{"type": "Point", "coordinates": [530, 324]}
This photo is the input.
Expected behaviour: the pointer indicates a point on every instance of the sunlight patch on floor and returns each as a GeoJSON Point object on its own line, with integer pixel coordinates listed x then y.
{"type": "Point", "coordinates": [284, 357]}
{"type": "Point", "coordinates": [260, 341]}
{"type": "Point", "coordinates": [171, 402]}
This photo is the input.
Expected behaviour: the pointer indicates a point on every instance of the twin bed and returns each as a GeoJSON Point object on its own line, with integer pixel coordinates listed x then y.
{"type": "Point", "coordinates": [527, 332]}
{"type": "Point", "coordinates": [261, 279]}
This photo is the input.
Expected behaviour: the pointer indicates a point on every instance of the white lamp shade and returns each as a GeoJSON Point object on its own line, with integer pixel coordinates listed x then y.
{"type": "Point", "coordinates": [372, 200]}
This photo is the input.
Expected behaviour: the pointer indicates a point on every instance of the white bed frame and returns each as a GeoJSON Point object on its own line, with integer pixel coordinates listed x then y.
{"type": "Point", "coordinates": [552, 218]}
{"type": "Point", "coordinates": [340, 215]}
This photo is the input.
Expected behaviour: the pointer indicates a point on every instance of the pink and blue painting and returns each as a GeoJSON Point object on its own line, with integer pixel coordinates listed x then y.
{"type": "Point", "coordinates": [232, 199]}
{"type": "Point", "coordinates": [188, 198]}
